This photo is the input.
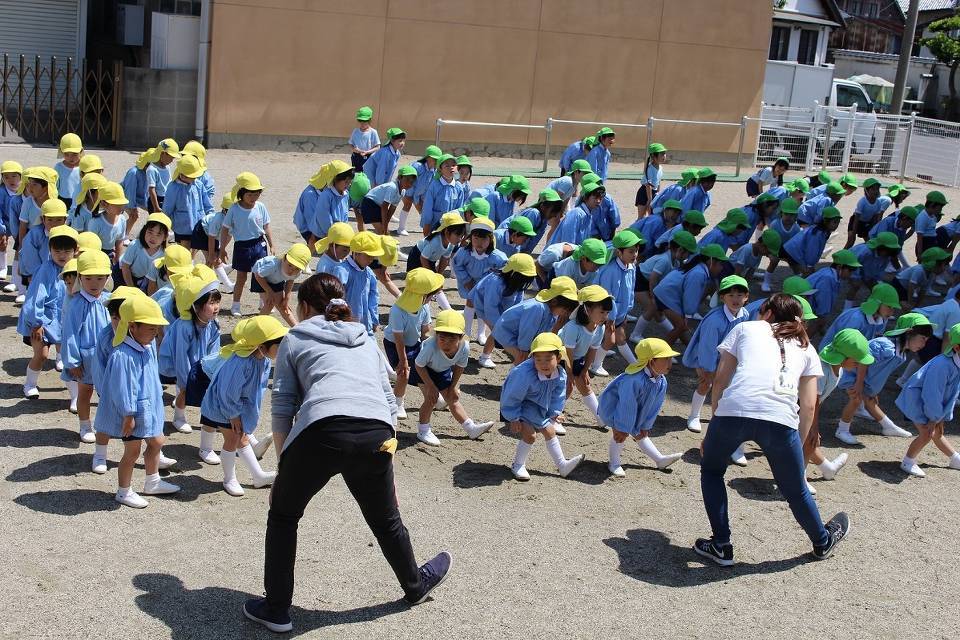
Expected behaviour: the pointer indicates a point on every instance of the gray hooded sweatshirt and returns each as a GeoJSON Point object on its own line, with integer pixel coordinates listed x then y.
{"type": "Point", "coordinates": [326, 369]}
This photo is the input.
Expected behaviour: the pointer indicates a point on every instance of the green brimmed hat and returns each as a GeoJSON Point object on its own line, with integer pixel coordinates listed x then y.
{"type": "Point", "coordinates": [685, 240]}
{"type": "Point", "coordinates": [522, 224]}
{"type": "Point", "coordinates": [673, 204]}
{"type": "Point", "coordinates": [692, 216]}
{"type": "Point", "coordinates": [627, 238]}
{"type": "Point", "coordinates": [581, 165]}
{"type": "Point", "coordinates": [808, 313]}
{"type": "Point", "coordinates": [846, 258]}
{"type": "Point", "coordinates": [848, 343]}
{"type": "Point", "coordinates": [908, 321]}
{"type": "Point", "coordinates": [885, 239]}
{"type": "Point", "coordinates": [881, 293]}
{"type": "Point", "coordinates": [593, 250]}
{"type": "Point", "coordinates": [714, 251]}
{"type": "Point", "coordinates": [771, 240]}
{"type": "Point", "coordinates": [789, 207]}
{"type": "Point", "coordinates": [797, 286]}
{"type": "Point", "coordinates": [732, 281]}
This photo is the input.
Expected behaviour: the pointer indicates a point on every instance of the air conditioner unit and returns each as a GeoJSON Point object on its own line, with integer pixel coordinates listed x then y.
{"type": "Point", "coordinates": [174, 41]}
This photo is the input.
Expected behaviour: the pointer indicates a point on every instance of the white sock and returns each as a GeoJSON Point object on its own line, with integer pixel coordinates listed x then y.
{"type": "Point", "coordinates": [100, 451]}
{"type": "Point", "coordinates": [481, 331]}
{"type": "Point", "coordinates": [3, 264]}
{"type": "Point", "coordinates": [646, 445]}
{"type": "Point", "coordinates": [843, 427]}
{"type": "Point", "coordinates": [523, 450]}
{"type": "Point", "coordinates": [423, 428]}
{"type": "Point", "coordinates": [888, 423]}
{"type": "Point", "coordinates": [390, 368]}
{"type": "Point", "coordinates": [74, 388]}
{"type": "Point", "coordinates": [442, 301]}
{"type": "Point", "coordinates": [639, 328]}
{"type": "Point", "coordinates": [249, 459]}
{"type": "Point", "coordinates": [228, 460]}
{"type": "Point", "coordinates": [826, 465]}
{"type": "Point", "coordinates": [553, 448]}
{"type": "Point", "coordinates": [847, 304]}
{"type": "Point", "coordinates": [615, 449]}
{"type": "Point", "coordinates": [468, 313]}
{"type": "Point", "coordinates": [207, 440]}
{"type": "Point", "coordinates": [955, 458]}
{"type": "Point", "coordinates": [627, 353]}
{"type": "Point", "coordinates": [402, 221]}
{"type": "Point", "coordinates": [123, 492]}
{"type": "Point", "coordinates": [59, 357]}
{"type": "Point", "coordinates": [151, 478]}
{"type": "Point", "coordinates": [468, 424]}
{"type": "Point", "coordinates": [666, 324]}
{"type": "Point", "coordinates": [591, 402]}
{"type": "Point", "coordinates": [253, 440]}
{"type": "Point", "coordinates": [18, 279]}
{"type": "Point", "coordinates": [696, 404]}
{"type": "Point", "coordinates": [179, 415]}
{"type": "Point", "coordinates": [908, 461]}
{"type": "Point", "coordinates": [223, 277]}
{"type": "Point", "coordinates": [84, 424]}
{"type": "Point", "coordinates": [32, 377]}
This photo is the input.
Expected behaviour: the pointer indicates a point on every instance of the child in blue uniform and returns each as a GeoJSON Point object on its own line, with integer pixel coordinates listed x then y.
{"type": "Point", "coordinates": [868, 212]}
{"type": "Point", "coordinates": [334, 251]}
{"type": "Point", "coordinates": [652, 176]}
{"type": "Point", "coordinates": [618, 276]}
{"type": "Point", "coordinates": [205, 179]}
{"type": "Point", "coordinates": [110, 224]}
{"type": "Point", "coordinates": [581, 264]}
{"type": "Point", "coordinates": [691, 221]}
{"type": "Point", "coordinates": [35, 247]}
{"type": "Point", "coordinates": [767, 177]}
{"type": "Point", "coordinates": [546, 213]}
{"type": "Point", "coordinates": [248, 223]}
{"type": "Point", "coordinates": [11, 173]}
{"type": "Point", "coordinates": [133, 411]}
{"type": "Point", "coordinates": [826, 282]}
{"type": "Point", "coordinates": [726, 231]}
{"type": "Point", "coordinates": [680, 292]}
{"type": "Point", "coordinates": [785, 224]}
{"type": "Point", "coordinates": [803, 251]}
{"type": "Point", "coordinates": [632, 401]}
{"type": "Point", "coordinates": [436, 249]}
{"type": "Point", "coordinates": [927, 219]}
{"type": "Point", "coordinates": [599, 156]}
{"type": "Point", "coordinates": [928, 400]}
{"type": "Point", "coordinates": [332, 204]}
{"type": "Point", "coordinates": [811, 211]}
{"type": "Point", "coordinates": [532, 399]}
{"type": "Point", "coordinates": [437, 371]}
{"type": "Point", "coordinates": [186, 202]}
{"type": "Point", "coordinates": [577, 150]}
{"type": "Point", "coordinates": [139, 256]}
{"type": "Point", "coordinates": [674, 191]}
{"type": "Point", "coordinates": [381, 201]}
{"type": "Point", "coordinates": [546, 312]}
{"type": "Point", "coordinates": [68, 169]}
{"type": "Point", "coordinates": [381, 164]}
{"type": "Point", "coordinates": [426, 168]}
{"type": "Point", "coordinates": [83, 320]}
{"type": "Point", "coordinates": [443, 194]}
{"type": "Point", "coordinates": [364, 139]}
{"type": "Point", "coordinates": [39, 322]}
{"type": "Point", "coordinates": [273, 278]}
{"type": "Point", "coordinates": [875, 256]}
{"type": "Point", "coordinates": [566, 185]}
{"type": "Point", "coordinates": [86, 202]}
{"type": "Point", "coordinates": [361, 284]}
{"type": "Point", "coordinates": [134, 183]}
{"type": "Point", "coordinates": [913, 283]}
{"type": "Point", "coordinates": [697, 196]}
{"type": "Point", "coordinates": [654, 225]}
{"type": "Point", "coordinates": [582, 337]}
{"type": "Point", "coordinates": [516, 235]}
{"type": "Point", "coordinates": [175, 260]}
{"type": "Point", "coordinates": [870, 318]}
{"type": "Point", "coordinates": [69, 276]}
{"type": "Point", "coordinates": [505, 196]}
{"type": "Point", "coordinates": [233, 399]}
{"type": "Point", "coordinates": [701, 352]}
{"type": "Point", "coordinates": [746, 259]}
{"type": "Point", "coordinates": [649, 274]}
{"type": "Point", "coordinates": [574, 227]}
{"type": "Point", "coordinates": [408, 326]}
{"type": "Point", "coordinates": [494, 294]}
{"type": "Point", "coordinates": [471, 264]}
{"type": "Point", "coordinates": [865, 384]}
{"type": "Point", "coordinates": [158, 172]}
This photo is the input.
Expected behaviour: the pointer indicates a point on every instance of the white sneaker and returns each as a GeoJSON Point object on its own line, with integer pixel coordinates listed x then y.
{"type": "Point", "coordinates": [696, 317]}
{"type": "Point", "coordinates": [73, 407]}
{"type": "Point", "coordinates": [427, 437]}
{"type": "Point", "coordinates": [740, 461]}
{"type": "Point", "coordinates": [131, 499]}
{"type": "Point", "coordinates": [559, 429]}
{"type": "Point", "coordinates": [954, 463]}
{"type": "Point", "coordinates": [693, 424]}
{"type": "Point", "coordinates": [567, 466]}
{"type": "Point", "coordinates": [392, 375]}
{"type": "Point", "coordinates": [617, 472]}
{"type": "Point", "coordinates": [31, 392]}
{"type": "Point", "coordinates": [263, 445]}
{"type": "Point", "coordinates": [481, 338]}
{"type": "Point", "coordinates": [233, 488]}
{"type": "Point", "coordinates": [810, 488]}
{"type": "Point", "coordinates": [940, 280]}
{"type": "Point", "coordinates": [600, 371]}
{"type": "Point", "coordinates": [838, 464]}
{"type": "Point", "coordinates": [165, 462]}
{"type": "Point", "coordinates": [401, 412]}
{"type": "Point", "coordinates": [182, 426]}
{"type": "Point", "coordinates": [846, 437]}
{"type": "Point", "coordinates": [59, 365]}
{"type": "Point", "coordinates": [403, 232]}
{"type": "Point", "coordinates": [87, 434]}
{"type": "Point", "coordinates": [209, 457]}
{"type": "Point", "coordinates": [486, 363]}
{"type": "Point", "coordinates": [159, 488]}
{"type": "Point", "coordinates": [895, 431]}
{"type": "Point", "coordinates": [441, 404]}
{"type": "Point", "coordinates": [667, 460]}
{"type": "Point", "coordinates": [265, 480]}
{"type": "Point", "coordinates": [933, 293]}
{"type": "Point", "coordinates": [99, 465]}
{"type": "Point", "coordinates": [913, 470]}
{"type": "Point", "coordinates": [478, 429]}
{"type": "Point", "coordinates": [10, 288]}
{"type": "Point", "coordinates": [402, 255]}
{"type": "Point", "coordinates": [235, 312]}
{"type": "Point", "coordinates": [20, 299]}
{"type": "Point", "coordinates": [520, 473]}
{"type": "Point", "coordinates": [631, 318]}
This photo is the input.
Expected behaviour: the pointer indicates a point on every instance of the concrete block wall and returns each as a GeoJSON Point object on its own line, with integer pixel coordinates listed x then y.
{"type": "Point", "coordinates": [157, 104]}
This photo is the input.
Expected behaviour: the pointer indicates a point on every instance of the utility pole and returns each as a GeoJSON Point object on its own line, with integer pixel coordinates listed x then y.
{"type": "Point", "coordinates": [900, 84]}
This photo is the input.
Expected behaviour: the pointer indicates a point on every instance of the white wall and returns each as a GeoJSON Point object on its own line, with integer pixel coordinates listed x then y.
{"type": "Point", "coordinates": [808, 7]}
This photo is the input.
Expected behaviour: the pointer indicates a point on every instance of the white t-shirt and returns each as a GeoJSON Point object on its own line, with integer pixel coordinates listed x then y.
{"type": "Point", "coordinates": [751, 392]}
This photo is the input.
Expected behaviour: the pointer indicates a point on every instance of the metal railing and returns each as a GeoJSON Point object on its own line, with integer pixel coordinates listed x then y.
{"type": "Point", "coordinates": [501, 125]}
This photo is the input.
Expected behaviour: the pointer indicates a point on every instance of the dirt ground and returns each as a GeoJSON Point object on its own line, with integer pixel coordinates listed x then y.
{"type": "Point", "coordinates": [586, 556]}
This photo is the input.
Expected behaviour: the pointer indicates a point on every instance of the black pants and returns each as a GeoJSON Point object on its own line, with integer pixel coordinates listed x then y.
{"type": "Point", "coordinates": [305, 467]}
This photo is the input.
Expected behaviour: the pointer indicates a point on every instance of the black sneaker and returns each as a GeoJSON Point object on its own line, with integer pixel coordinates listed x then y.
{"type": "Point", "coordinates": [432, 574]}
{"type": "Point", "coordinates": [722, 554]}
{"type": "Point", "coordinates": [259, 611]}
{"type": "Point", "coordinates": [838, 527]}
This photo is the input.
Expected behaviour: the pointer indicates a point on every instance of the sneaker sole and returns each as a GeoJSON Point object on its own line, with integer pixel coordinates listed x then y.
{"type": "Point", "coordinates": [272, 626]}
{"type": "Point", "coordinates": [431, 590]}
{"type": "Point", "coordinates": [716, 560]}
{"type": "Point", "coordinates": [834, 548]}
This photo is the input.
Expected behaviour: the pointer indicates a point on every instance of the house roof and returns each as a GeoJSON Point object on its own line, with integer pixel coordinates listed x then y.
{"type": "Point", "coordinates": [836, 17]}
{"type": "Point", "coordinates": [930, 5]}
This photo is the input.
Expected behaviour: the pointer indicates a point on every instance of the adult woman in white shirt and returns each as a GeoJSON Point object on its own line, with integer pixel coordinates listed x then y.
{"type": "Point", "coordinates": [765, 390]}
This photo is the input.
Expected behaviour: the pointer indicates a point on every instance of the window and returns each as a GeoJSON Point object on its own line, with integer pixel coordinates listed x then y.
{"type": "Point", "coordinates": [847, 96]}
{"type": "Point", "coordinates": [779, 43]}
{"type": "Point", "coordinates": [894, 44]}
{"type": "Point", "coordinates": [870, 10]}
{"type": "Point", "coordinates": [853, 7]}
{"type": "Point", "coordinates": [807, 54]}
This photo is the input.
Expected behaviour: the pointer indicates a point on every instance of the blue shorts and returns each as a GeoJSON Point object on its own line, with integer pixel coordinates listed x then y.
{"type": "Point", "coordinates": [256, 287]}
{"type": "Point", "coordinates": [390, 349]}
{"type": "Point", "coordinates": [168, 379]}
{"type": "Point", "coordinates": [753, 189]}
{"type": "Point", "coordinates": [26, 341]}
{"type": "Point", "coordinates": [441, 379]}
{"type": "Point", "coordinates": [198, 239]}
{"type": "Point", "coordinates": [413, 259]}
{"type": "Point", "coordinates": [247, 252]}
{"type": "Point", "coordinates": [197, 384]}
{"type": "Point", "coordinates": [370, 211]}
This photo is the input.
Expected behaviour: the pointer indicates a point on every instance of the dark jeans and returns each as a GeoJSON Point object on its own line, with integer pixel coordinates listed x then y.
{"type": "Point", "coordinates": [783, 449]}
{"type": "Point", "coordinates": [305, 467]}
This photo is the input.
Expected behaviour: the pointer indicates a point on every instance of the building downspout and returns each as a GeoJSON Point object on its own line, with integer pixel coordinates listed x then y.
{"type": "Point", "coordinates": [203, 69]}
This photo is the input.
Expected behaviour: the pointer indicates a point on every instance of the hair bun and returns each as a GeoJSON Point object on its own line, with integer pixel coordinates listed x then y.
{"type": "Point", "coordinates": [337, 309]}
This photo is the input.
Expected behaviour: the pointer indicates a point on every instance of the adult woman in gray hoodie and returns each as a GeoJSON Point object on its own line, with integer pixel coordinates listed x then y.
{"type": "Point", "coordinates": [333, 413]}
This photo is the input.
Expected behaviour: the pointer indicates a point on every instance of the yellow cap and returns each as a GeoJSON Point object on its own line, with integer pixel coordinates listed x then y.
{"type": "Point", "coordinates": [391, 251]}
{"type": "Point", "coordinates": [70, 267]}
{"type": "Point", "coordinates": [648, 349]}
{"type": "Point", "coordinates": [137, 309]}
{"type": "Point", "coordinates": [325, 175]}
{"type": "Point", "coordinates": [94, 263]}
{"type": "Point", "coordinates": [88, 183]}
{"type": "Point", "coordinates": [88, 241]}
{"type": "Point", "coordinates": [159, 216]}
{"type": "Point", "coordinates": [248, 181]}
{"type": "Point", "coordinates": [227, 201]}
{"type": "Point", "coordinates": [11, 166]}
{"type": "Point", "coordinates": [53, 208]}
{"type": "Point", "coordinates": [112, 193]}
{"type": "Point", "coordinates": [560, 286]}
{"type": "Point", "coordinates": [450, 219]}
{"type": "Point", "coordinates": [148, 156]}
{"type": "Point", "coordinates": [63, 231]}
{"type": "Point", "coordinates": [176, 259]}
{"type": "Point", "coordinates": [298, 255]}
{"type": "Point", "coordinates": [90, 162]}
{"type": "Point", "coordinates": [450, 321]}
{"type": "Point", "coordinates": [593, 293]}
{"type": "Point", "coordinates": [521, 263]}
{"type": "Point", "coordinates": [196, 150]}
{"type": "Point", "coordinates": [339, 233]}
{"type": "Point", "coordinates": [169, 146]}
{"type": "Point", "coordinates": [71, 143]}
{"type": "Point", "coordinates": [191, 287]}
{"type": "Point", "coordinates": [125, 292]}
{"type": "Point", "coordinates": [419, 283]}
{"type": "Point", "coordinates": [188, 166]}
{"type": "Point", "coordinates": [253, 333]}
{"type": "Point", "coordinates": [546, 342]}
{"type": "Point", "coordinates": [482, 223]}
{"type": "Point", "coordinates": [367, 242]}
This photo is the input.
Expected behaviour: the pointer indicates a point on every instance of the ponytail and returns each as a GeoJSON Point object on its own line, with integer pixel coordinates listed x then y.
{"type": "Point", "coordinates": [786, 318]}
{"type": "Point", "coordinates": [337, 309]}
{"type": "Point", "coordinates": [319, 290]}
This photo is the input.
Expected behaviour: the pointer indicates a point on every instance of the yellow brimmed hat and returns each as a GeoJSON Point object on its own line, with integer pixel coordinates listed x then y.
{"type": "Point", "coordinates": [339, 233]}
{"type": "Point", "coordinates": [450, 219]}
{"type": "Point", "coordinates": [63, 231]}
{"type": "Point", "coordinates": [70, 267]}
{"type": "Point", "coordinates": [176, 259]}
{"type": "Point", "coordinates": [190, 288]}
{"type": "Point", "coordinates": [11, 166]}
{"type": "Point", "coordinates": [247, 180]}
{"type": "Point", "coordinates": [227, 201]}
{"type": "Point", "coordinates": [367, 242]}
{"type": "Point", "coordinates": [253, 333]}
{"type": "Point", "coordinates": [593, 293]}
{"type": "Point", "coordinates": [298, 255]}
{"type": "Point", "coordinates": [88, 183]}
{"type": "Point", "coordinates": [419, 283]}
{"type": "Point", "coordinates": [169, 146]}
{"type": "Point", "coordinates": [450, 321]}
{"type": "Point", "coordinates": [560, 286]}
{"type": "Point", "coordinates": [188, 166]}
{"type": "Point", "coordinates": [112, 193]}
{"type": "Point", "coordinates": [521, 263]}
{"type": "Point", "coordinates": [71, 143]}
{"type": "Point", "coordinates": [138, 309]}
{"type": "Point", "coordinates": [88, 241]}
{"type": "Point", "coordinates": [161, 218]}
{"type": "Point", "coordinates": [391, 251]}
{"type": "Point", "coordinates": [125, 292]}
{"type": "Point", "coordinates": [196, 150]}
{"type": "Point", "coordinates": [53, 208]}
{"type": "Point", "coordinates": [90, 162]}
{"type": "Point", "coordinates": [547, 342]}
{"type": "Point", "coordinates": [649, 349]}
{"type": "Point", "coordinates": [94, 263]}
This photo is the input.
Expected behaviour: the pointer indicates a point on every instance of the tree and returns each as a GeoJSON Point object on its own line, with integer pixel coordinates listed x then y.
{"type": "Point", "coordinates": [945, 46]}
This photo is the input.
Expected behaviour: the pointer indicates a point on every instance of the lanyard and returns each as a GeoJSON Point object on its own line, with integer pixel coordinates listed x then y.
{"type": "Point", "coordinates": [783, 356]}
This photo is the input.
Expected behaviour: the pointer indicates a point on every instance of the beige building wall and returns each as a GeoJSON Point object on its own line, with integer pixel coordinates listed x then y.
{"type": "Point", "coordinates": [300, 68]}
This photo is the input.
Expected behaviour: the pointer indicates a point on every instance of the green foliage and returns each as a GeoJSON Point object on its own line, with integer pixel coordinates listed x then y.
{"type": "Point", "coordinates": [944, 46]}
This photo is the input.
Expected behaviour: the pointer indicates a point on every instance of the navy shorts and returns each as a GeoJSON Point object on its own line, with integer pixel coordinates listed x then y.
{"type": "Point", "coordinates": [942, 241]}
{"type": "Point", "coordinates": [150, 208]}
{"type": "Point", "coordinates": [198, 239]}
{"type": "Point", "coordinates": [247, 252]}
{"type": "Point", "coordinates": [659, 302]}
{"type": "Point", "coordinates": [861, 227]}
{"type": "Point", "coordinates": [66, 201]}
{"type": "Point", "coordinates": [413, 259]}
{"type": "Point", "coordinates": [370, 211]}
{"type": "Point", "coordinates": [390, 349]}
{"type": "Point", "coordinates": [789, 259]}
{"type": "Point", "coordinates": [306, 236]}
{"type": "Point", "coordinates": [641, 199]}
{"type": "Point", "coordinates": [577, 365]}
{"type": "Point", "coordinates": [26, 341]}
{"type": "Point", "coordinates": [901, 290]}
{"type": "Point", "coordinates": [931, 350]}
{"type": "Point", "coordinates": [357, 160]}
{"type": "Point", "coordinates": [207, 422]}
{"type": "Point", "coordinates": [441, 379]}
{"type": "Point", "coordinates": [753, 189]}
{"type": "Point", "coordinates": [255, 286]}
{"type": "Point", "coordinates": [641, 283]}
{"type": "Point", "coordinates": [168, 379]}
{"type": "Point", "coordinates": [197, 383]}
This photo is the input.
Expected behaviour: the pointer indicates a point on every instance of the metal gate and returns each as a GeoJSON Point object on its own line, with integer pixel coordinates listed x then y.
{"type": "Point", "coordinates": [41, 101]}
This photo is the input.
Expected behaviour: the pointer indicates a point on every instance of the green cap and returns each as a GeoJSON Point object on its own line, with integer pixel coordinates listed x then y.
{"type": "Point", "coordinates": [706, 172]}
{"type": "Point", "coordinates": [605, 131]}
{"type": "Point", "coordinates": [848, 343]}
{"type": "Point", "coordinates": [882, 293]}
{"type": "Point", "coordinates": [692, 216]}
{"type": "Point", "coordinates": [952, 338]}
{"type": "Point", "coordinates": [687, 176]}
{"type": "Point", "coordinates": [444, 158]}
{"type": "Point", "coordinates": [835, 189]}
{"type": "Point", "coordinates": [432, 151]}
{"type": "Point", "coordinates": [846, 258]}
{"type": "Point", "coordinates": [830, 212]}
{"type": "Point", "coordinates": [789, 207]}
{"type": "Point", "coordinates": [732, 281]}
{"type": "Point", "coordinates": [808, 313]}
{"type": "Point", "coordinates": [590, 188]}
{"type": "Point", "coordinates": [797, 286]}
{"type": "Point", "coordinates": [936, 197]}
{"type": "Point", "coordinates": [714, 251]}
{"type": "Point", "coordinates": [765, 197]}
{"type": "Point", "coordinates": [932, 256]}
{"type": "Point", "coordinates": [359, 187]}
{"type": "Point", "coordinates": [464, 161]}
{"type": "Point", "coordinates": [408, 170]}
{"type": "Point", "coordinates": [685, 240]}
{"type": "Point", "coordinates": [512, 184]}
{"type": "Point", "coordinates": [910, 212]}
{"type": "Point", "coordinates": [479, 206]}
{"type": "Point", "coordinates": [735, 219]}
{"type": "Point", "coordinates": [522, 224]}
{"type": "Point", "coordinates": [908, 321]}
{"type": "Point", "coordinates": [549, 195]}
{"type": "Point", "coordinates": [364, 114]}
{"type": "Point", "coordinates": [673, 204]}
{"type": "Point", "coordinates": [824, 177]}
{"type": "Point", "coordinates": [656, 147]}
{"type": "Point", "coordinates": [771, 240]}
{"type": "Point", "coordinates": [884, 239]}
{"type": "Point", "coordinates": [581, 165]}
{"type": "Point", "coordinates": [849, 180]}
{"type": "Point", "coordinates": [896, 189]}
{"type": "Point", "coordinates": [590, 141]}
{"type": "Point", "coordinates": [590, 178]}
{"type": "Point", "coordinates": [593, 250]}
{"type": "Point", "coordinates": [395, 132]}
{"type": "Point", "coordinates": [800, 184]}
{"type": "Point", "coordinates": [871, 182]}
{"type": "Point", "coordinates": [627, 238]}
